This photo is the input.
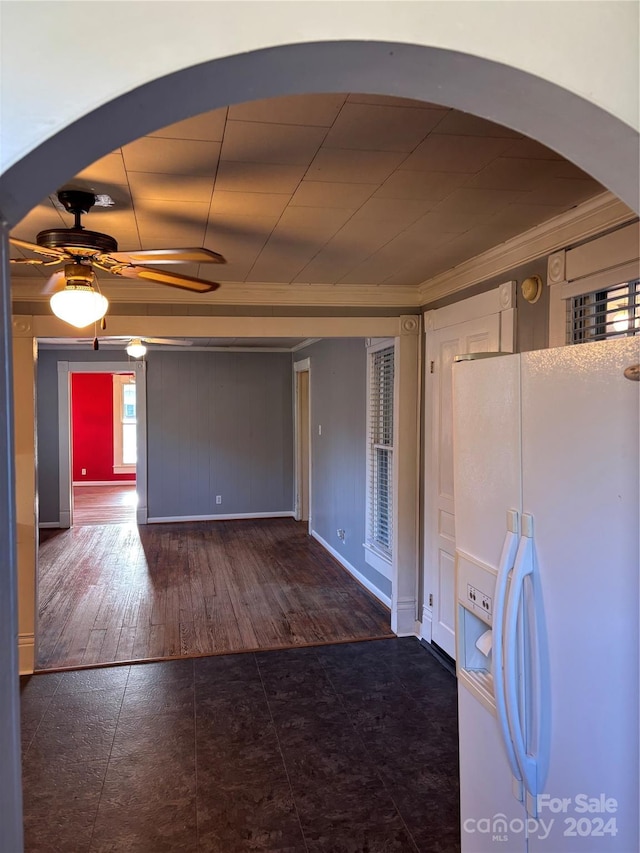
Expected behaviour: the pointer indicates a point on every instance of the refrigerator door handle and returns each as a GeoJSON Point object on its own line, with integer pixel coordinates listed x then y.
{"type": "Point", "coordinates": [507, 557]}
{"type": "Point", "coordinates": [523, 567]}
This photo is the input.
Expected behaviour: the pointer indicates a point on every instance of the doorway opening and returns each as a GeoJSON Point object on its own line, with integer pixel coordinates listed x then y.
{"type": "Point", "coordinates": [302, 373]}
{"type": "Point", "coordinates": [103, 448]}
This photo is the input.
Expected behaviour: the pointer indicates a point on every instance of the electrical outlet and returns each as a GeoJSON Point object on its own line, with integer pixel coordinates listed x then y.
{"type": "Point", "coordinates": [218, 499]}
{"type": "Point", "coordinates": [84, 472]}
{"type": "Point", "coordinates": [340, 533]}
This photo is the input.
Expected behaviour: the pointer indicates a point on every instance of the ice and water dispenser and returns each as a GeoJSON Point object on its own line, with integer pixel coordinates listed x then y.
{"type": "Point", "coordinates": [476, 584]}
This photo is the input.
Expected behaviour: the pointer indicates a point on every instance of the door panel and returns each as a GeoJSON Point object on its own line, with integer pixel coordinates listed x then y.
{"type": "Point", "coordinates": [480, 335]}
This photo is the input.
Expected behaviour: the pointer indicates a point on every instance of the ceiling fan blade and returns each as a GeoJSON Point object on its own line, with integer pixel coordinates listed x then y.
{"type": "Point", "coordinates": [169, 342]}
{"type": "Point", "coordinates": [38, 250]}
{"type": "Point", "coordinates": [168, 256]}
{"type": "Point", "coordinates": [56, 282]}
{"type": "Point", "coordinates": [183, 281]}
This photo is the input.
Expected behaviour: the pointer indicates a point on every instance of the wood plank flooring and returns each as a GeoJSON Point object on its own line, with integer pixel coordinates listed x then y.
{"type": "Point", "coordinates": [119, 592]}
{"type": "Point", "coordinates": [104, 504]}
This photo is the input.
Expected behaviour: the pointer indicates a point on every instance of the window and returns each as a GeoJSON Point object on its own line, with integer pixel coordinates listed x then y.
{"type": "Point", "coordinates": [124, 424]}
{"type": "Point", "coordinates": [605, 314]}
{"type": "Point", "coordinates": [380, 453]}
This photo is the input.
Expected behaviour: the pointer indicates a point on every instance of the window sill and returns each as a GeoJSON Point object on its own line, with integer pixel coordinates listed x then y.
{"type": "Point", "coordinates": [124, 469]}
{"type": "Point", "coordinates": [380, 562]}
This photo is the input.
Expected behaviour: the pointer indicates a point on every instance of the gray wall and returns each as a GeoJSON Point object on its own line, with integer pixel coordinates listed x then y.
{"type": "Point", "coordinates": [532, 329]}
{"type": "Point", "coordinates": [47, 421]}
{"type": "Point", "coordinates": [339, 455]}
{"type": "Point", "coordinates": [219, 424]}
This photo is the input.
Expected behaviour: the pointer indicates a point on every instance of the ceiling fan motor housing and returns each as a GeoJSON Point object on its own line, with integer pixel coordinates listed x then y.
{"type": "Point", "coordinates": [79, 275]}
{"type": "Point", "coordinates": [77, 240]}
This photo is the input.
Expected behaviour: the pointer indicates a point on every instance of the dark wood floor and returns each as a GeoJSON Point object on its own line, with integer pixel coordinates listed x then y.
{"type": "Point", "coordinates": [334, 749]}
{"type": "Point", "coordinates": [104, 504]}
{"type": "Point", "coordinates": [120, 592]}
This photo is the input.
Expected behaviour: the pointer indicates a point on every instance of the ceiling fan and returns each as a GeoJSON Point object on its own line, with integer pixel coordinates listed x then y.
{"type": "Point", "coordinates": [135, 346]}
{"type": "Point", "coordinates": [81, 250]}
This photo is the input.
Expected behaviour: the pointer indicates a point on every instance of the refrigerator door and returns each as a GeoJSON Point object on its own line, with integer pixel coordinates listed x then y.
{"type": "Point", "coordinates": [580, 428]}
{"type": "Point", "coordinates": [487, 484]}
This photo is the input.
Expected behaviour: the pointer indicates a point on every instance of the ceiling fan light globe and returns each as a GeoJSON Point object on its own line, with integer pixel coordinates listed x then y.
{"type": "Point", "coordinates": [79, 305]}
{"type": "Point", "coordinates": [136, 349]}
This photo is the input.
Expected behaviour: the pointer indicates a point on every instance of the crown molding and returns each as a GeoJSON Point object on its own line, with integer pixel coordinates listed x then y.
{"type": "Point", "coordinates": [29, 289]}
{"type": "Point", "coordinates": [587, 220]}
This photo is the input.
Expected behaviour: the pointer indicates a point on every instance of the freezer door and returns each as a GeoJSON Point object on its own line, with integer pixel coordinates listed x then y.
{"type": "Point", "coordinates": [580, 440]}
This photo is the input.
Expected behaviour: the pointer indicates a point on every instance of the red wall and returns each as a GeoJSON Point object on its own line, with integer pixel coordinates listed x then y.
{"type": "Point", "coordinates": [92, 428]}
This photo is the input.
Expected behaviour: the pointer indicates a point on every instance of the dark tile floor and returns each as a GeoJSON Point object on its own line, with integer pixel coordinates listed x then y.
{"type": "Point", "coordinates": [332, 749]}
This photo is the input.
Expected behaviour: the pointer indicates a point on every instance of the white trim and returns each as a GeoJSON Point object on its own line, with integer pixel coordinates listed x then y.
{"type": "Point", "coordinates": [366, 583]}
{"type": "Point", "coordinates": [494, 301]}
{"type": "Point", "coordinates": [426, 625]}
{"type": "Point", "coordinates": [26, 653]}
{"type": "Point", "coordinates": [307, 343]}
{"type": "Point", "coordinates": [600, 281]}
{"type": "Point", "coordinates": [104, 482]}
{"type": "Point", "coordinates": [124, 469]}
{"type": "Point", "coordinates": [168, 519]}
{"type": "Point", "coordinates": [584, 221]}
{"type": "Point", "coordinates": [380, 562]}
{"type": "Point", "coordinates": [302, 366]}
{"type": "Point", "coordinates": [405, 613]}
{"type": "Point", "coordinates": [45, 525]}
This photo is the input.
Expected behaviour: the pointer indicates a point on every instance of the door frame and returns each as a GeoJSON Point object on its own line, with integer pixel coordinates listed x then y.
{"type": "Point", "coordinates": [499, 300]}
{"type": "Point", "coordinates": [65, 478]}
{"type": "Point", "coordinates": [302, 366]}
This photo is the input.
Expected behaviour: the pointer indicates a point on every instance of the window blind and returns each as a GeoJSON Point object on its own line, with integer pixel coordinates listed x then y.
{"type": "Point", "coordinates": [605, 314]}
{"type": "Point", "coordinates": [380, 532]}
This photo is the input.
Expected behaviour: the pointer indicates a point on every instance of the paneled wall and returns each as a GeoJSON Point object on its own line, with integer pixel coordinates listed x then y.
{"type": "Point", "coordinates": [339, 449]}
{"type": "Point", "coordinates": [219, 424]}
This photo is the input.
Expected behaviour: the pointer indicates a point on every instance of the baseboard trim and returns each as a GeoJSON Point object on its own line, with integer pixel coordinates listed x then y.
{"type": "Point", "coordinates": [42, 525]}
{"type": "Point", "coordinates": [167, 519]}
{"type": "Point", "coordinates": [441, 656]}
{"type": "Point", "coordinates": [366, 583]}
{"type": "Point", "coordinates": [405, 617]}
{"type": "Point", "coordinates": [426, 625]}
{"type": "Point", "coordinates": [26, 653]}
{"type": "Point", "coordinates": [103, 483]}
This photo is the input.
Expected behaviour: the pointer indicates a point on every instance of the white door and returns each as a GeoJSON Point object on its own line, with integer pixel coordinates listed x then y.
{"type": "Point", "coordinates": [480, 335]}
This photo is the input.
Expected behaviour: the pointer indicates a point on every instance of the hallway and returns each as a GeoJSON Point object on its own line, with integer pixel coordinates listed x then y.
{"type": "Point", "coordinates": [334, 749]}
{"type": "Point", "coordinates": [118, 592]}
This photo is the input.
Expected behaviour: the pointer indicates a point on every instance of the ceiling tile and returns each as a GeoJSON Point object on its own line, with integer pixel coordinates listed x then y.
{"type": "Point", "coordinates": [255, 142]}
{"type": "Point", "coordinates": [355, 242]}
{"type": "Point", "coordinates": [104, 172]}
{"type": "Point", "coordinates": [177, 225]}
{"type": "Point", "coordinates": [429, 186]}
{"type": "Point", "coordinates": [41, 218]}
{"type": "Point", "coordinates": [172, 156]}
{"type": "Point", "coordinates": [394, 256]}
{"type": "Point", "coordinates": [170, 187]}
{"type": "Point", "coordinates": [207, 126]}
{"type": "Point", "coordinates": [368, 127]}
{"type": "Point", "coordinates": [258, 177]}
{"type": "Point", "coordinates": [448, 153]}
{"type": "Point", "coordinates": [366, 167]}
{"type": "Point", "coordinates": [239, 242]}
{"type": "Point", "coordinates": [308, 110]}
{"type": "Point", "coordinates": [527, 149]}
{"type": "Point", "coordinates": [464, 124]}
{"type": "Point", "coordinates": [327, 194]}
{"type": "Point", "coordinates": [391, 101]}
{"type": "Point", "coordinates": [563, 191]}
{"type": "Point", "coordinates": [478, 201]}
{"type": "Point", "coordinates": [399, 211]}
{"type": "Point", "coordinates": [509, 173]}
{"type": "Point", "coordinates": [248, 204]}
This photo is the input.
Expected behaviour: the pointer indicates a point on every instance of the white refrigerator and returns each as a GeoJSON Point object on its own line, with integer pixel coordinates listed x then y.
{"type": "Point", "coordinates": [546, 474]}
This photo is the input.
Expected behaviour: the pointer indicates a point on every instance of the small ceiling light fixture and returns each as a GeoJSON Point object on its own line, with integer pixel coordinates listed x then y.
{"type": "Point", "coordinates": [136, 349]}
{"type": "Point", "coordinates": [532, 288]}
{"type": "Point", "coordinates": [78, 303]}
